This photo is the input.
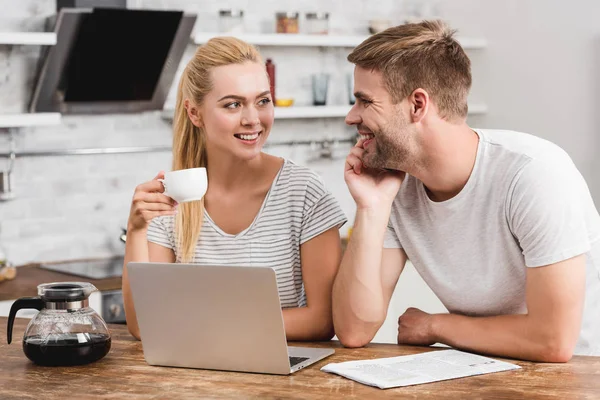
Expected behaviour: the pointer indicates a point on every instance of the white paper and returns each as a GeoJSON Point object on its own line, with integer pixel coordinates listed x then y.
{"type": "Point", "coordinates": [416, 369]}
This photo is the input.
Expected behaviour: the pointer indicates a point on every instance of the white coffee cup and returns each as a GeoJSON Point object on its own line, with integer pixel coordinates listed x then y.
{"type": "Point", "coordinates": [185, 184]}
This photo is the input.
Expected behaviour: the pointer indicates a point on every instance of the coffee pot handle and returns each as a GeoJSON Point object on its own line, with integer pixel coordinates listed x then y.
{"type": "Point", "coordinates": [25, 302]}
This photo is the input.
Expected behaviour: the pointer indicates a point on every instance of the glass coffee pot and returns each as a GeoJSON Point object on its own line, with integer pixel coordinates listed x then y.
{"type": "Point", "coordinates": [66, 331]}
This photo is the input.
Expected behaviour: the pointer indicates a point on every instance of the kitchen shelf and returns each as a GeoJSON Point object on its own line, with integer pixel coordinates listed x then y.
{"type": "Point", "coordinates": [28, 38]}
{"type": "Point", "coordinates": [311, 112]}
{"type": "Point", "coordinates": [282, 39]}
{"type": "Point", "coordinates": [33, 119]}
{"type": "Point", "coordinates": [323, 111]}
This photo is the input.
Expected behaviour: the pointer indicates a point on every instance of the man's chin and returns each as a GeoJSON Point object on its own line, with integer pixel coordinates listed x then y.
{"type": "Point", "coordinates": [374, 163]}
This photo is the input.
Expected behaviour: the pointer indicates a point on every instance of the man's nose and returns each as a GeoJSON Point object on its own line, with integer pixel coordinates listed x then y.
{"type": "Point", "coordinates": [353, 117]}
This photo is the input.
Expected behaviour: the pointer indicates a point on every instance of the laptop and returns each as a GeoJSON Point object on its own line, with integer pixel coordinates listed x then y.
{"type": "Point", "coordinates": [214, 317]}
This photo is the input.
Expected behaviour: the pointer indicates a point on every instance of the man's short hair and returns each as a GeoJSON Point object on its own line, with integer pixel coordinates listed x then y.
{"type": "Point", "coordinates": [421, 55]}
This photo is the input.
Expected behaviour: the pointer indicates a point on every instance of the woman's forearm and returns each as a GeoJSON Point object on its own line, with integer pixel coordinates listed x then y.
{"type": "Point", "coordinates": [306, 324]}
{"type": "Point", "coordinates": [136, 249]}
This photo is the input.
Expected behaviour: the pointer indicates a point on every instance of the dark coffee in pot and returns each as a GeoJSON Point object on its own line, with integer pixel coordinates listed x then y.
{"type": "Point", "coordinates": [67, 349]}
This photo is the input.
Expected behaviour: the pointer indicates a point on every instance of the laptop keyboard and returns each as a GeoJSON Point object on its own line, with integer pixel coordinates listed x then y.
{"type": "Point", "coordinates": [297, 360]}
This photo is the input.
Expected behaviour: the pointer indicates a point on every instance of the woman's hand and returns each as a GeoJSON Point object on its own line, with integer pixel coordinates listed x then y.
{"type": "Point", "coordinates": [149, 202]}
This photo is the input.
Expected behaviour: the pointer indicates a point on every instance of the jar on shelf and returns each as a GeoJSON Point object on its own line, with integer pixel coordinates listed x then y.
{"type": "Point", "coordinates": [287, 22]}
{"type": "Point", "coordinates": [317, 23]}
{"type": "Point", "coordinates": [231, 21]}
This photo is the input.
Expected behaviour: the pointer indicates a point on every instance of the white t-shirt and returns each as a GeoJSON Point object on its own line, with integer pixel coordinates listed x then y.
{"type": "Point", "coordinates": [525, 205]}
{"type": "Point", "coordinates": [296, 209]}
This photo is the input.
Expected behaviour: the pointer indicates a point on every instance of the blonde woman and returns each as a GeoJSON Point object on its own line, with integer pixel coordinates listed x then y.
{"type": "Point", "coordinates": [259, 209]}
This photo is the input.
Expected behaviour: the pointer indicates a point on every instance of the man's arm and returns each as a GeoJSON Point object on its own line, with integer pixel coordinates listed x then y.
{"type": "Point", "coordinates": [368, 274]}
{"type": "Point", "coordinates": [366, 280]}
{"type": "Point", "coordinates": [547, 333]}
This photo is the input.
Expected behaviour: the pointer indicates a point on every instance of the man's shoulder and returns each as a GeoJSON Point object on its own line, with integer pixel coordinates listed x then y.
{"type": "Point", "coordinates": [523, 145]}
{"type": "Point", "coordinates": [521, 158]}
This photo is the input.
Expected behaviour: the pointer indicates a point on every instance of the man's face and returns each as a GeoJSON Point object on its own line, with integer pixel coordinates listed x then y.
{"type": "Point", "coordinates": [383, 126]}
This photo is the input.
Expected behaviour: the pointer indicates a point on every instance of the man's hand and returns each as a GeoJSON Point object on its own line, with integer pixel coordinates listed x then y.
{"type": "Point", "coordinates": [370, 188]}
{"type": "Point", "coordinates": [415, 328]}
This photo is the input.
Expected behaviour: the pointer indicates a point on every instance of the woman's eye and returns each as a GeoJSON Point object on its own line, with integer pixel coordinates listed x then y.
{"type": "Point", "coordinates": [264, 101]}
{"type": "Point", "coordinates": [233, 105]}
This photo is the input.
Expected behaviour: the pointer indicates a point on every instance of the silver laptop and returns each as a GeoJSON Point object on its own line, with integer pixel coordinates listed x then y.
{"type": "Point", "coordinates": [214, 317]}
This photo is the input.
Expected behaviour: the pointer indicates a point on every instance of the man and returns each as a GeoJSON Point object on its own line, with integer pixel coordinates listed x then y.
{"type": "Point", "coordinates": [500, 224]}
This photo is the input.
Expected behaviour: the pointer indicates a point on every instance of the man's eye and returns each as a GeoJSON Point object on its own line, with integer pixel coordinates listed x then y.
{"type": "Point", "coordinates": [233, 105]}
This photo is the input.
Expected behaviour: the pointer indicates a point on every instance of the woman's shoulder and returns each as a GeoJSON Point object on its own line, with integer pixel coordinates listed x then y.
{"type": "Point", "coordinates": [165, 222]}
{"type": "Point", "coordinates": [299, 177]}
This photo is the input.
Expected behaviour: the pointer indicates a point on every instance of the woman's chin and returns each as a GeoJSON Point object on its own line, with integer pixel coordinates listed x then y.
{"type": "Point", "coordinates": [249, 154]}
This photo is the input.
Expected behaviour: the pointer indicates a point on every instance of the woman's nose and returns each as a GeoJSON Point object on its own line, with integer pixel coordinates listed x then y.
{"type": "Point", "coordinates": [250, 116]}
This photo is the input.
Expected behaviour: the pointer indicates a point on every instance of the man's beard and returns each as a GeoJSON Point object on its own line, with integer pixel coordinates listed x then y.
{"type": "Point", "coordinates": [389, 149]}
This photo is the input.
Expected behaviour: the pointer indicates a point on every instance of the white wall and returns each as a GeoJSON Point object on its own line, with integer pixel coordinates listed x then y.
{"type": "Point", "coordinates": [542, 71]}
{"type": "Point", "coordinates": [539, 74]}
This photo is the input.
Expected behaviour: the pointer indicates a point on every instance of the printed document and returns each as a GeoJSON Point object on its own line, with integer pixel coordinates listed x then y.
{"type": "Point", "coordinates": [416, 369]}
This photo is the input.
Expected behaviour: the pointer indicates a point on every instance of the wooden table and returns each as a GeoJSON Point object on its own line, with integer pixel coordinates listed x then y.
{"type": "Point", "coordinates": [123, 374]}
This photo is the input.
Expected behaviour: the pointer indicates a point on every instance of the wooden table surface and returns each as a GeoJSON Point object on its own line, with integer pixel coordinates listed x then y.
{"type": "Point", "coordinates": [123, 374]}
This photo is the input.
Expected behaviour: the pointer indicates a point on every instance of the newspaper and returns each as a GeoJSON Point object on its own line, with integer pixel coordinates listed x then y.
{"type": "Point", "coordinates": [416, 369]}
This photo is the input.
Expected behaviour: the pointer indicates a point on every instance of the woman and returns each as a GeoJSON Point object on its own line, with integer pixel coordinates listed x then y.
{"type": "Point", "coordinates": [259, 210]}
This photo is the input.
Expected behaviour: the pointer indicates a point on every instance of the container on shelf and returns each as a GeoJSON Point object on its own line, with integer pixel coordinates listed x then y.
{"type": "Point", "coordinates": [317, 23]}
{"type": "Point", "coordinates": [287, 102]}
{"type": "Point", "coordinates": [231, 21]}
{"type": "Point", "coordinates": [320, 85]}
{"type": "Point", "coordinates": [287, 22]}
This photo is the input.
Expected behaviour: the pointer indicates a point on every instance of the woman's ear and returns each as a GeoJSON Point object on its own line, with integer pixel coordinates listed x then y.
{"type": "Point", "coordinates": [192, 112]}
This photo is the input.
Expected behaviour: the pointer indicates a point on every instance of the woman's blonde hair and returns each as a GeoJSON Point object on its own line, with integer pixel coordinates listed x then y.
{"type": "Point", "coordinates": [189, 141]}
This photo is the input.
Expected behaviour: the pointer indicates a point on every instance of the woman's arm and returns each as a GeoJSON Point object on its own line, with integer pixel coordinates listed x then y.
{"type": "Point", "coordinates": [138, 249]}
{"type": "Point", "coordinates": [148, 202]}
{"type": "Point", "coordinates": [320, 258]}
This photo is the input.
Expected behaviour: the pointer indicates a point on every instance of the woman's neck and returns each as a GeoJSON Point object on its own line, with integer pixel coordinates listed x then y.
{"type": "Point", "coordinates": [228, 172]}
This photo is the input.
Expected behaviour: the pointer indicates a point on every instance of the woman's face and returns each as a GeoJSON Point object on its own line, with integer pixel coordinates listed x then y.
{"type": "Point", "coordinates": [237, 114]}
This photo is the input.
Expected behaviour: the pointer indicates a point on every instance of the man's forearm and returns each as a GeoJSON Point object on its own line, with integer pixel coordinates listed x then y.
{"type": "Point", "coordinates": [513, 336]}
{"type": "Point", "coordinates": [358, 301]}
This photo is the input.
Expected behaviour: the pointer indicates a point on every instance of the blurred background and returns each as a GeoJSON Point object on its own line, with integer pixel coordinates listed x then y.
{"type": "Point", "coordinates": [71, 156]}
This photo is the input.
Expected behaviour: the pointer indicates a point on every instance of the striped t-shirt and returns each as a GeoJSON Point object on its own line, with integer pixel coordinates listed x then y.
{"type": "Point", "coordinates": [296, 209]}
